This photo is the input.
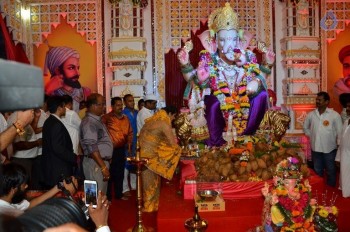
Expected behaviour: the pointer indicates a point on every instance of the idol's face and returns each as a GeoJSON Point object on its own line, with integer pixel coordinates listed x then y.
{"type": "Point", "coordinates": [70, 71]}
{"type": "Point", "coordinates": [227, 41]}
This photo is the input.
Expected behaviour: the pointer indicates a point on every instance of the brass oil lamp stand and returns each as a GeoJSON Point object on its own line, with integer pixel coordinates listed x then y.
{"type": "Point", "coordinates": [196, 224]}
{"type": "Point", "coordinates": [139, 163]}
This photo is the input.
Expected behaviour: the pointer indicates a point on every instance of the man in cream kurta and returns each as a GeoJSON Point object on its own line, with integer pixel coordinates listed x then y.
{"type": "Point", "coordinates": [146, 111]}
{"type": "Point", "coordinates": [343, 155]}
{"type": "Point", "coordinates": [323, 127]}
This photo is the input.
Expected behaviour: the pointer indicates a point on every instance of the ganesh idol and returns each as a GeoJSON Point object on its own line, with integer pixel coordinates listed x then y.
{"type": "Point", "coordinates": [228, 88]}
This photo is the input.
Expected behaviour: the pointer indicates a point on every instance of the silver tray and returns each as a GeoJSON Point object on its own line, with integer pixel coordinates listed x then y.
{"type": "Point", "coordinates": [208, 195]}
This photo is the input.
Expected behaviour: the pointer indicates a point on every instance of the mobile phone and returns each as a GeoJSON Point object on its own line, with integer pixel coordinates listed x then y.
{"type": "Point", "coordinates": [90, 190]}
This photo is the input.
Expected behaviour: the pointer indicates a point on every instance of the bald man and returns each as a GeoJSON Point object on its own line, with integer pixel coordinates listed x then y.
{"type": "Point", "coordinates": [64, 64]}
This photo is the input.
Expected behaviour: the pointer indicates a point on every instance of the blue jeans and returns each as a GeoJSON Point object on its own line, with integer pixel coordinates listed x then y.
{"type": "Point", "coordinates": [325, 161]}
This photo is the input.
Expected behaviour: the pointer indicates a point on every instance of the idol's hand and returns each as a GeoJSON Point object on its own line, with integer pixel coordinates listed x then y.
{"type": "Point", "coordinates": [265, 190]}
{"type": "Point", "coordinates": [55, 83]}
{"type": "Point", "coordinates": [183, 56]}
{"type": "Point", "coordinates": [245, 41]}
{"type": "Point", "coordinates": [270, 57]}
{"type": "Point", "coordinates": [274, 199]}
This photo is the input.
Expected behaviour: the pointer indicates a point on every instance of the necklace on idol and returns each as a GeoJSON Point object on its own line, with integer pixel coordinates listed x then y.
{"type": "Point", "coordinates": [222, 65]}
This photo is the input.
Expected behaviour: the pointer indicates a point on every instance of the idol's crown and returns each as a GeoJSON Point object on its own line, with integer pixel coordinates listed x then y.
{"type": "Point", "coordinates": [223, 19]}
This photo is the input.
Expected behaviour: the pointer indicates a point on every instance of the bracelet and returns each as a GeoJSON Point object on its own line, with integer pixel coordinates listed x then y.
{"type": "Point", "coordinates": [186, 68]}
{"type": "Point", "coordinates": [19, 129]}
{"type": "Point", "coordinates": [266, 70]}
{"type": "Point", "coordinates": [100, 226]}
{"type": "Point", "coordinates": [104, 168]}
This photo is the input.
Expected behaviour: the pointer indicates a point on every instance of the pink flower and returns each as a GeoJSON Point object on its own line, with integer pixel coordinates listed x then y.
{"type": "Point", "coordinates": [313, 202]}
{"type": "Point", "coordinates": [295, 160]}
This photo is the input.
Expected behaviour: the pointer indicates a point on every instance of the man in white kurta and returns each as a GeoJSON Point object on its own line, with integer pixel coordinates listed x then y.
{"type": "Point", "coordinates": [147, 111]}
{"type": "Point", "coordinates": [72, 122]}
{"type": "Point", "coordinates": [323, 127]}
{"type": "Point", "coordinates": [343, 155]}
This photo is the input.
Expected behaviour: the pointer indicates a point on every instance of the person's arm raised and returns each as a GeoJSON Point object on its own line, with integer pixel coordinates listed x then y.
{"type": "Point", "coordinates": [99, 215]}
{"type": "Point", "coordinates": [23, 119]}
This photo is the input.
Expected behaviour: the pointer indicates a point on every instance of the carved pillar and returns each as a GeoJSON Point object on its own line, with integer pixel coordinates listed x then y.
{"type": "Point", "coordinates": [127, 56]}
{"type": "Point", "coordinates": [301, 60]}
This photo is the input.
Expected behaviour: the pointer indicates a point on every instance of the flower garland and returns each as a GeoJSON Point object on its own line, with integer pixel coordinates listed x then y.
{"type": "Point", "coordinates": [297, 213]}
{"type": "Point", "coordinates": [235, 104]}
{"type": "Point", "coordinates": [292, 206]}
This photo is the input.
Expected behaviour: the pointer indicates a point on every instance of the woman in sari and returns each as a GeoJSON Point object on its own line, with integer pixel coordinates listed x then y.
{"type": "Point", "coordinates": [158, 143]}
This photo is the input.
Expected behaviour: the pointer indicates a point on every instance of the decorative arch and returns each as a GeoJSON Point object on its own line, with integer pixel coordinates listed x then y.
{"type": "Point", "coordinates": [84, 15]}
{"type": "Point", "coordinates": [80, 14]}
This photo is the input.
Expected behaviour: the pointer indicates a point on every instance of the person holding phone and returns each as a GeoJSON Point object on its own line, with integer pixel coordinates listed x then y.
{"type": "Point", "coordinates": [90, 190]}
{"type": "Point", "coordinates": [99, 215]}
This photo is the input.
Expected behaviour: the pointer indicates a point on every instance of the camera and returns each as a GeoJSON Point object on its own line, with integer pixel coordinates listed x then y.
{"type": "Point", "coordinates": [53, 212]}
{"type": "Point", "coordinates": [79, 202]}
{"type": "Point", "coordinates": [21, 86]}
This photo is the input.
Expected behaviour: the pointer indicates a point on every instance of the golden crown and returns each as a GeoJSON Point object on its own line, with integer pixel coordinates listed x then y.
{"type": "Point", "coordinates": [223, 18]}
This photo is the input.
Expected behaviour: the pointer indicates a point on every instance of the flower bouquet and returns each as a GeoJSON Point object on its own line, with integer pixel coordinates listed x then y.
{"type": "Point", "coordinates": [325, 218]}
{"type": "Point", "coordinates": [288, 205]}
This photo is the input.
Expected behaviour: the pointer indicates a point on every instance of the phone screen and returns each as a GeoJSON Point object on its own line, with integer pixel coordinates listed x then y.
{"type": "Point", "coordinates": [90, 189]}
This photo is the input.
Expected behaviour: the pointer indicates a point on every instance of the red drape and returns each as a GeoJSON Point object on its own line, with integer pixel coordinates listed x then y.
{"type": "Point", "coordinates": [9, 44]}
{"type": "Point", "coordinates": [21, 55]}
{"type": "Point", "coordinates": [13, 52]}
{"type": "Point", "coordinates": [174, 81]}
{"type": "Point", "coordinates": [230, 190]}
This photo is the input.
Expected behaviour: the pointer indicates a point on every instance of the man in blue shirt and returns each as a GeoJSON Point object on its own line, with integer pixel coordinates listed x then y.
{"type": "Point", "coordinates": [131, 113]}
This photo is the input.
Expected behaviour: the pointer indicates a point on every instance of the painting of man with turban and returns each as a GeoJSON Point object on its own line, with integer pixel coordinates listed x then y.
{"type": "Point", "coordinates": [63, 64]}
{"type": "Point", "coordinates": [342, 86]}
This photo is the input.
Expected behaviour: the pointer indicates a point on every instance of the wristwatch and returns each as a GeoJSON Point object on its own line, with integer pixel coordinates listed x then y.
{"type": "Point", "coordinates": [19, 129]}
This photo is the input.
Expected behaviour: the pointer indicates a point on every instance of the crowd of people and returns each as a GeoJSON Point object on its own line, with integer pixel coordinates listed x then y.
{"type": "Point", "coordinates": [71, 135]}
{"type": "Point", "coordinates": [328, 130]}
{"type": "Point", "coordinates": [41, 147]}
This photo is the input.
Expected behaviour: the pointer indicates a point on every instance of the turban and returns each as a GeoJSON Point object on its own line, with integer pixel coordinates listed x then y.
{"type": "Point", "coordinates": [56, 56]}
{"type": "Point", "coordinates": [344, 52]}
